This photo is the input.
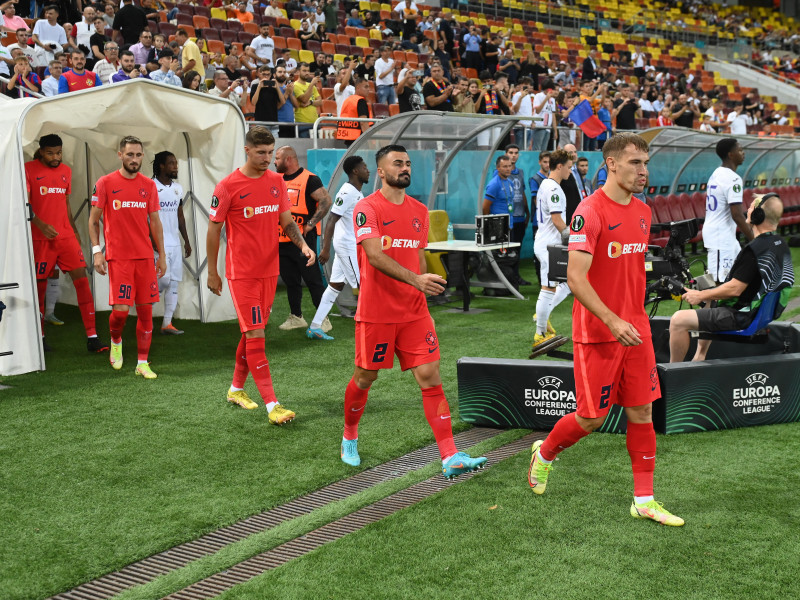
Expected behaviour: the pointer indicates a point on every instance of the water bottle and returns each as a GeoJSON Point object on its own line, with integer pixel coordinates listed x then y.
{"type": "Point", "coordinates": [450, 236]}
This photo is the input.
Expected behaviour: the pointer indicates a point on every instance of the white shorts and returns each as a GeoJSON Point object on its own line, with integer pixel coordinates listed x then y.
{"type": "Point", "coordinates": [345, 268]}
{"type": "Point", "coordinates": [174, 266]}
{"type": "Point", "coordinates": [544, 265]}
{"type": "Point", "coordinates": [720, 261]}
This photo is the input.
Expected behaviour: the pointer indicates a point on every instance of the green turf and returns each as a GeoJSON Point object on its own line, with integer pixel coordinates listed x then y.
{"type": "Point", "coordinates": [102, 468]}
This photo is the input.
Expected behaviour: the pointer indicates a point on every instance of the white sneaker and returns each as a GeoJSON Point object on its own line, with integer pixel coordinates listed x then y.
{"type": "Point", "coordinates": [295, 322]}
{"type": "Point", "coordinates": [326, 325]}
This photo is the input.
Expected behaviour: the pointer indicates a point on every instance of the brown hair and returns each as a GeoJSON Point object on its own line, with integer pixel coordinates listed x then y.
{"type": "Point", "coordinates": [558, 158]}
{"type": "Point", "coordinates": [620, 141]}
{"type": "Point", "coordinates": [259, 136]}
{"type": "Point", "coordinates": [129, 139]}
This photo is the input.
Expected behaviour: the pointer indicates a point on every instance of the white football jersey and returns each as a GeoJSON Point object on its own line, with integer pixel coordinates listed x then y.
{"type": "Point", "coordinates": [550, 200]}
{"type": "Point", "coordinates": [170, 197]}
{"type": "Point", "coordinates": [724, 190]}
{"type": "Point", "coordinates": [343, 204]}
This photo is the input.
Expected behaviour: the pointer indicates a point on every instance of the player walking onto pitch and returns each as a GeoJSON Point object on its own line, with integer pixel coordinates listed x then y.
{"type": "Point", "coordinates": [392, 316]}
{"type": "Point", "coordinates": [251, 202]}
{"type": "Point", "coordinates": [128, 203]}
{"type": "Point", "coordinates": [339, 229]}
{"type": "Point", "coordinates": [55, 239]}
{"type": "Point", "coordinates": [614, 358]}
{"type": "Point", "coordinates": [170, 199]}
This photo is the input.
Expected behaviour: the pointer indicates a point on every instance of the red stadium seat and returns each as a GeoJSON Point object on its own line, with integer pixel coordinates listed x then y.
{"type": "Point", "coordinates": [227, 37]}
{"type": "Point", "coordinates": [380, 111]}
{"type": "Point", "coordinates": [184, 19]}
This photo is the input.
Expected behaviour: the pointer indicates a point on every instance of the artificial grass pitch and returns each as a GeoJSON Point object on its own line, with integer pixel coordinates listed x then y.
{"type": "Point", "coordinates": [101, 468]}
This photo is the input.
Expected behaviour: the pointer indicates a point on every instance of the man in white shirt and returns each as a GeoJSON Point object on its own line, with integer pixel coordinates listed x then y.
{"type": "Point", "coordinates": [110, 65]}
{"type": "Point", "coordinates": [50, 84]}
{"type": "Point", "coordinates": [551, 205]}
{"type": "Point", "coordinates": [84, 30]}
{"type": "Point", "coordinates": [170, 198]}
{"type": "Point", "coordinates": [339, 230]}
{"type": "Point", "coordinates": [343, 88]}
{"type": "Point", "coordinates": [384, 78]}
{"type": "Point", "coordinates": [289, 63]}
{"type": "Point", "coordinates": [22, 44]}
{"type": "Point", "coordinates": [48, 34]}
{"type": "Point", "coordinates": [262, 47]}
{"type": "Point", "coordinates": [544, 106]}
{"type": "Point", "coordinates": [724, 211]}
{"type": "Point", "coordinates": [522, 104]}
{"type": "Point", "coordinates": [739, 119]}
{"type": "Point", "coordinates": [227, 89]}
{"type": "Point", "coordinates": [168, 64]}
{"type": "Point", "coordinates": [273, 10]}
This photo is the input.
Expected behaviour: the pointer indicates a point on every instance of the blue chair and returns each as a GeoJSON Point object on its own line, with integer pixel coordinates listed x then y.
{"type": "Point", "coordinates": [757, 332]}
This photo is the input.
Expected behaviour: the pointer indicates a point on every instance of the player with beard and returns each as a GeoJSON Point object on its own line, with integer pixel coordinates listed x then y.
{"type": "Point", "coordinates": [127, 201]}
{"type": "Point", "coordinates": [286, 111]}
{"type": "Point", "coordinates": [614, 358]}
{"type": "Point", "coordinates": [392, 318]}
{"type": "Point", "coordinates": [55, 238]}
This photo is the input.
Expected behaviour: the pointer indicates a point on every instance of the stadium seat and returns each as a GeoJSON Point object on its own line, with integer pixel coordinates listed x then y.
{"type": "Point", "coordinates": [327, 93]}
{"type": "Point", "coordinates": [244, 37]}
{"type": "Point", "coordinates": [342, 49]}
{"type": "Point", "coordinates": [218, 13]}
{"type": "Point", "coordinates": [202, 11]}
{"type": "Point", "coordinates": [184, 18]}
{"type": "Point", "coordinates": [251, 28]}
{"type": "Point", "coordinates": [227, 37]}
{"type": "Point", "coordinates": [362, 42]}
{"type": "Point", "coordinates": [380, 111]}
{"type": "Point", "coordinates": [328, 47]}
{"type": "Point", "coordinates": [234, 26]}
{"type": "Point", "coordinates": [218, 24]}
{"type": "Point", "coordinates": [438, 220]}
{"type": "Point", "coordinates": [314, 46]}
{"type": "Point", "coordinates": [288, 32]}
{"type": "Point", "coordinates": [200, 22]}
{"type": "Point", "coordinates": [294, 43]}
{"type": "Point", "coordinates": [210, 34]}
{"type": "Point", "coordinates": [215, 45]}
{"type": "Point", "coordinates": [306, 56]}
{"type": "Point", "coordinates": [394, 109]}
{"type": "Point", "coordinates": [168, 29]}
{"type": "Point", "coordinates": [329, 107]}
{"type": "Point", "coordinates": [186, 9]}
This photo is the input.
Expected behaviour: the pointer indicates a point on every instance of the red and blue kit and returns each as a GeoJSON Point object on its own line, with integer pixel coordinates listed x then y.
{"type": "Point", "coordinates": [127, 205]}
{"type": "Point", "coordinates": [392, 316]}
{"type": "Point", "coordinates": [48, 189]}
{"type": "Point", "coordinates": [606, 372]}
{"type": "Point", "coordinates": [251, 209]}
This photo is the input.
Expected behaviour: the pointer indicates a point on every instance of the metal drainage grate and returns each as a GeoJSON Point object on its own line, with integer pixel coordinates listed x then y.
{"type": "Point", "coordinates": [261, 563]}
{"type": "Point", "coordinates": [154, 566]}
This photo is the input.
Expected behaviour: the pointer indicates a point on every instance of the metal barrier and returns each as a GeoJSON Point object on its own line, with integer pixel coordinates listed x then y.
{"type": "Point", "coordinates": [6, 80]}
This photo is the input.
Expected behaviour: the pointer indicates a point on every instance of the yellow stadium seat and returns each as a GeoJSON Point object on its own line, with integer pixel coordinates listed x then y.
{"type": "Point", "coordinates": [437, 232]}
{"type": "Point", "coordinates": [219, 13]}
{"type": "Point", "coordinates": [362, 42]}
{"type": "Point", "coordinates": [374, 34]}
{"type": "Point", "coordinates": [295, 23]}
{"type": "Point", "coordinates": [306, 56]}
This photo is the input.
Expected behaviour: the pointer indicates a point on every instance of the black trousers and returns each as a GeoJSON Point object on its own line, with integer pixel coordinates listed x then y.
{"type": "Point", "coordinates": [294, 270]}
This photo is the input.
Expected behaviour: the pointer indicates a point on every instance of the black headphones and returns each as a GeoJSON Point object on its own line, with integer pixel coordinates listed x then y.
{"type": "Point", "coordinates": [758, 215]}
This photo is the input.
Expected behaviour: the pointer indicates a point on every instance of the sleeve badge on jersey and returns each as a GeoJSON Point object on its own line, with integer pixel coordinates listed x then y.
{"type": "Point", "coordinates": [214, 202]}
{"type": "Point", "coordinates": [577, 223]}
{"type": "Point", "coordinates": [361, 219]}
{"type": "Point", "coordinates": [416, 224]}
{"type": "Point", "coordinates": [338, 201]}
{"type": "Point", "coordinates": [274, 191]}
{"type": "Point", "coordinates": [737, 188]}
{"type": "Point", "coordinates": [555, 199]}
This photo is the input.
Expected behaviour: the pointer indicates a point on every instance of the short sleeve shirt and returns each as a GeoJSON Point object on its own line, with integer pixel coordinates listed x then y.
{"type": "Point", "coordinates": [432, 89]}
{"type": "Point", "coordinates": [264, 47]}
{"type": "Point", "coordinates": [501, 194]}
{"type": "Point", "coordinates": [48, 189]}
{"type": "Point", "coordinates": [126, 205]}
{"type": "Point", "coordinates": [250, 209]}
{"type": "Point", "coordinates": [616, 236]}
{"type": "Point", "coordinates": [170, 199]}
{"type": "Point", "coordinates": [724, 190]}
{"type": "Point", "coordinates": [550, 200]}
{"type": "Point", "coordinates": [403, 231]}
{"type": "Point", "coordinates": [343, 204]}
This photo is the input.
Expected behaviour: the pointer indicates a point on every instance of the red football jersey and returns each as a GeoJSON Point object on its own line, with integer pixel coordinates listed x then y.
{"type": "Point", "coordinates": [126, 206]}
{"type": "Point", "coordinates": [616, 236]}
{"type": "Point", "coordinates": [48, 189]}
{"type": "Point", "coordinates": [250, 209]}
{"type": "Point", "coordinates": [403, 230]}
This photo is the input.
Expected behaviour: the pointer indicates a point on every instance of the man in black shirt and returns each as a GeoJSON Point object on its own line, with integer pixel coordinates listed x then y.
{"type": "Point", "coordinates": [267, 98]}
{"type": "Point", "coordinates": [491, 53]}
{"type": "Point", "coordinates": [684, 112]}
{"type": "Point", "coordinates": [763, 266]}
{"type": "Point", "coordinates": [130, 20]}
{"type": "Point", "coordinates": [626, 110]}
{"type": "Point", "coordinates": [438, 91]}
{"type": "Point", "coordinates": [366, 70]}
{"type": "Point", "coordinates": [407, 96]}
{"type": "Point", "coordinates": [570, 185]}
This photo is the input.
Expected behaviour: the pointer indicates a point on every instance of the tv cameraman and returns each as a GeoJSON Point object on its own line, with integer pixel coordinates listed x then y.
{"type": "Point", "coordinates": [763, 266]}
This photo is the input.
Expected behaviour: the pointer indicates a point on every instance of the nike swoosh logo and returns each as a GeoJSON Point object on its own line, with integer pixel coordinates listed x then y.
{"type": "Point", "coordinates": [38, 178]}
{"type": "Point", "coordinates": [385, 223]}
{"type": "Point", "coordinates": [243, 196]}
{"type": "Point", "coordinates": [432, 350]}
{"type": "Point", "coordinates": [115, 191]}
{"type": "Point", "coordinates": [357, 409]}
{"type": "Point", "coordinates": [648, 457]}
{"type": "Point", "coordinates": [612, 227]}
{"type": "Point", "coordinates": [146, 332]}
{"type": "Point", "coordinates": [444, 417]}
{"type": "Point", "coordinates": [260, 366]}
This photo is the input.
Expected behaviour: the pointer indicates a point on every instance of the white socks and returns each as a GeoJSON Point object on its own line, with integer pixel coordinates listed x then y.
{"type": "Point", "coordinates": [325, 306]}
{"type": "Point", "coordinates": [52, 295]}
{"type": "Point", "coordinates": [562, 291]}
{"type": "Point", "coordinates": [642, 499]}
{"type": "Point", "coordinates": [170, 302]}
{"type": "Point", "coordinates": [543, 308]}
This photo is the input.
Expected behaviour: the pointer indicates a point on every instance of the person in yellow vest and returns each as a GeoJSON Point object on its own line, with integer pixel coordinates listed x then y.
{"type": "Point", "coordinates": [309, 202]}
{"type": "Point", "coordinates": [353, 107]}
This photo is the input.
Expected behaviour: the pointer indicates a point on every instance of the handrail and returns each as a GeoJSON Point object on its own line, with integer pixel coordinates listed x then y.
{"type": "Point", "coordinates": [762, 71]}
{"type": "Point", "coordinates": [35, 94]}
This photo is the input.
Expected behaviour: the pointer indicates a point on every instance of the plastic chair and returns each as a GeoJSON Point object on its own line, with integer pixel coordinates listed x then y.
{"type": "Point", "coordinates": [380, 111]}
{"type": "Point", "coordinates": [437, 232]}
{"type": "Point", "coordinates": [764, 316]}
{"type": "Point", "coordinates": [306, 56]}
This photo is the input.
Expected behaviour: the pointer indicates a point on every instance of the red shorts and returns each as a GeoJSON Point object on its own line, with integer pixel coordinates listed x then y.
{"type": "Point", "coordinates": [132, 281]}
{"type": "Point", "coordinates": [610, 373]}
{"type": "Point", "coordinates": [252, 299]}
{"type": "Point", "coordinates": [62, 251]}
{"type": "Point", "coordinates": [415, 343]}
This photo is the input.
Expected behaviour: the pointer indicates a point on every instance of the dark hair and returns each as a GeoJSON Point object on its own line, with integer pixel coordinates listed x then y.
{"type": "Point", "coordinates": [160, 160]}
{"type": "Point", "coordinates": [125, 53]}
{"type": "Point", "coordinates": [485, 74]}
{"type": "Point", "coordinates": [181, 31]}
{"type": "Point", "coordinates": [526, 80]}
{"type": "Point", "coordinates": [544, 154]}
{"type": "Point", "coordinates": [50, 141]}
{"type": "Point", "coordinates": [501, 158]}
{"type": "Point", "coordinates": [548, 84]}
{"type": "Point", "coordinates": [512, 147]}
{"type": "Point", "coordinates": [129, 139]}
{"type": "Point", "coordinates": [75, 51]}
{"type": "Point", "coordinates": [188, 78]}
{"type": "Point", "coordinates": [259, 136]}
{"type": "Point", "coordinates": [619, 141]}
{"type": "Point", "coordinates": [351, 164]}
{"type": "Point", "coordinates": [302, 64]}
{"type": "Point", "coordinates": [499, 76]}
{"type": "Point", "coordinates": [725, 146]}
{"type": "Point", "coordinates": [558, 158]}
{"type": "Point", "coordinates": [582, 159]}
{"type": "Point", "coordinates": [386, 150]}
{"type": "Point", "coordinates": [51, 7]}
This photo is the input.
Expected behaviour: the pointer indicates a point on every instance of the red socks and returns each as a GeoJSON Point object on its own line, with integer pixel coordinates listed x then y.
{"type": "Point", "coordinates": [116, 323]}
{"type": "Point", "coordinates": [355, 399]}
{"type": "Point", "coordinates": [144, 329]}
{"type": "Point", "coordinates": [641, 442]}
{"type": "Point", "coordinates": [566, 433]}
{"type": "Point", "coordinates": [437, 411]}
{"type": "Point", "coordinates": [41, 289]}
{"type": "Point", "coordinates": [259, 368]}
{"type": "Point", "coordinates": [86, 305]}
{"type": "Point", "coordinates": [241, 370]}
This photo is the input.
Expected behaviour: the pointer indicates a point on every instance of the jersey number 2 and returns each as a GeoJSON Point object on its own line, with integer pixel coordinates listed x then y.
{"type": "Point", "coordinates": [605, 394]}
{"type": "Point", "coordinates": [380, 352]}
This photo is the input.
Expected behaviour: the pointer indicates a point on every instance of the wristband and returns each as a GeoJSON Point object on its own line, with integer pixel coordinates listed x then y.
{"type": "Point", "coordinates": [96, 250]}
